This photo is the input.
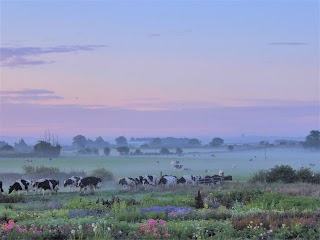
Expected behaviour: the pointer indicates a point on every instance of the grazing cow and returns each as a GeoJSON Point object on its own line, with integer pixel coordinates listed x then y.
{"type": "Point", "coordinates": [1, 190]}
{"type": "Point", "coordinates": [150, 180]}
{"type": "Point", "coordinates": [177, 166]}
{"type": "Point", "coordinates": [187, 179]}
{"type": "Point", "coordinates": [216, 179]}
{"type": "Point", "coordinates": [168, 180]}
{"type": "Point", "coordinates": [92, 182]}
{"type": "Point", "coordinates": [139, 180]}
{"type": "Point", "coordinates": [227, 178]}
{"type": "Point", "coordinates": [128, 182]}
{"type": "Point", "coordinates": [21, 185]}
{"type": "Point", "coordinates": [46, 184]}
{"type": "Point", "coordinates": [72, 182]}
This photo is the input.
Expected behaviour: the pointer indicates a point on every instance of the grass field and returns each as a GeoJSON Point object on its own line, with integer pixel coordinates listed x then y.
{"type": "Point", "coordinates": [200, 161]}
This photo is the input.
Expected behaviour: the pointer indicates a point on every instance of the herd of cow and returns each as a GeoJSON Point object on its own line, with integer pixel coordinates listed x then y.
{"type": "Point", "coordinates": [53, 185]}
{"type": "Point", "coordinates": [169, 180]}
{"type": "Point", "coordinates": [128, 182]}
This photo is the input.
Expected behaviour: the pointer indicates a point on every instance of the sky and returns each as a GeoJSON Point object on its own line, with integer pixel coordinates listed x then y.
{"type": "Point", "coordinates": [187, 68]}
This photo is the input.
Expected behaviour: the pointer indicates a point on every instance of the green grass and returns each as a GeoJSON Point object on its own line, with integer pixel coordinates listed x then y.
{"type": "Point", "coordinates": [122, 166]}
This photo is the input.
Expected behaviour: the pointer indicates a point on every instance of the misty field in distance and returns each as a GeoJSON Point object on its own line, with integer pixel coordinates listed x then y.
{"type": "Point", "coordinates": [200, 161]}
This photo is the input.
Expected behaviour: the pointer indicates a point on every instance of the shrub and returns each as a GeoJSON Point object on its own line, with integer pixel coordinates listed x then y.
{"type": "Point", "coordinates": [13, 198]}
{"type": "Point", "coordinates": [260, 176]}
{"type": "Point", "coordinates": [102, 173]}
{"type": "Point", "coordinates": [40, 172]}
{"type": "Point", "coordinates": [283, 173]}
{"type": "Point", "coordinates": [304, 175]}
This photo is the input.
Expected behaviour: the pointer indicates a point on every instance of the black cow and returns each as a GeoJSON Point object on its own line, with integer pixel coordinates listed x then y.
{"type": "Point", "coordinates": [21, 185]}
{"type": "Point", "coordinates": [46, 184]}
{"type": "Point", "coordinates": [227, 178]}
{"type": "Point", "coordinates": [92, 182]}
{"type": "Point", "coordinates": [1, 190]}
{"type": "Point", "coordinates": [72, 182]}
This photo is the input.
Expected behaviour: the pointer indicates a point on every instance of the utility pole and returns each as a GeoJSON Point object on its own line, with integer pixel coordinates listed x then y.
{"type": "Point", "coordinates": [265, 150]}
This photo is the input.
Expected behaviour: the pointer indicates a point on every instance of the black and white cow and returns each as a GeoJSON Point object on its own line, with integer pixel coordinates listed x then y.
{"type": "Point", "coordinates": [91, 182]}
{"type": "Point", "coordinates": [128, 182]}
{"type": "Point", "coordinates": [150, 180]}
{"type": "Point", "coordinates": [21, 185]}
{"type": "Point", "coordinates": [227, 178]}
{"type": "Point", "coordinates": [139, 180]}
{"type": "Point", "coordinates": [168, 180]}
{"type": "Point", "coordinates": [187, 179]}
{"type": "Point", "coordinates": [215, 179]}
{"type": "Point", "coordinates": [1, 190]}
{"type": "Point", "coordinates": [46, 184]}
{"type": "Point", "coordinates": [72, 182]}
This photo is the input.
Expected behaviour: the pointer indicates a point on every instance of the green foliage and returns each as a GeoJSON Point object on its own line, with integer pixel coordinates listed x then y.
{"type": "Point", "coordinates": [277, 201]}
{"type": "Point", "coordinates": [121, 141]}
{"type": "Point", "coordinates": [304, 175]}
{"type": "Point", "coordinates": [103, 173]}
{"type": "Point", "coordinates": [179, 151]}
{"type": "Point", "coordinates": [76, 204]}
{"type": "Point", "coordinates": [79, 141]}
{"type": "Point", "coordinates": [313, 140]}
{"type": "Point", "coordinates": [216, 142]}
{"type": "Point", "coordinates": [45, 149]}
{"type": "Point", "coordinates": [260, 176]}
{"type": "Point", "coordinates": [285, 174]}
{"type": "Point", "coordinates": [12, 198]}
{"type": "Point", "coordinates": [124, 150]}
{"type": "Point", "coordinates": [6, 148]}
{"type": "Point", "coordinates": [40, 172]}
{"type": "Point", "coordinates": [106, 151]}
{"type": "Point", "coordinates": [164, 151]}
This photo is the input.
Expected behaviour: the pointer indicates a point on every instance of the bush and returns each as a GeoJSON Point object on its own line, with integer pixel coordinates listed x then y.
{"type": "Point", "coordinates": [260, 176]}
{"type": "Point", "coordinates": [283, 173]}
{"type": "Point", "coordinates": [102, 173]}
{"type": "Point", "coordinates": [13, 198]}
{"type": "Point", "coordinates": [40, 172]}
{"type": "Point", "coordinates": [304, 175]}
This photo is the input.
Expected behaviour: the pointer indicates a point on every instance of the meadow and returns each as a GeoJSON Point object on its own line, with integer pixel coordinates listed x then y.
{"type": "Point", "coordinates": [232, 210]}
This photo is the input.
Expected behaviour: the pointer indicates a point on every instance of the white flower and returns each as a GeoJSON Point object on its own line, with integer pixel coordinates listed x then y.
{"type": "Point", "coordinates": [80, 226]}
{"type": "Point", "coordinates": [93, 225]}
{"type": "Point", "coordinates": [105, 222]}
{"type": "Point", "coordinates": [73, 231]}
{"type": "Point", "coordinates": [109, 229]}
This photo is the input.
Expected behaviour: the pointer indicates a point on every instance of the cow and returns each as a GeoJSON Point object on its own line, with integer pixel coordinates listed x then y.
{"type": "Point", "coordinates": [139, 180]}
{"type": "Point", "coordinates": [187, 179]}
{"type": "Point", "coordinates": [1, 189]}
{"type": "Point", "coordinates": [128, 182]}
{"type": "Point", "coordinates": [72, 182]}
{"type": "Point", "coordinates": [21, 185]}
{"type": "Point", "coordinates": [150, 180]}
{"type": "Point", "coordinates": [227, 178]}
{"type": "Point", "coordinates": [46, 184]}
{"type": "Point", "coordinates": [92, 182]}
{"type": "Point", "coordinates": [168, 180]}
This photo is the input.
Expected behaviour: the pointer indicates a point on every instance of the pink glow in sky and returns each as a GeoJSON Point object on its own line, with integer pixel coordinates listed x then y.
{"type": "Point", "coordinates": [159, 68]}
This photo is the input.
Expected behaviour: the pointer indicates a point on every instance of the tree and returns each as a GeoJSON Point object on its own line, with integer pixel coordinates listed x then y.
{"type": "Point", "coordinates": [6, 148]}
{"type": "Point", "coordinates": [138, 152]}
{"type": "Point", "coordinates": [156, 142]}
{"type": "Point", "coordinates": [45, 149]}
{"type": "Point", "coordinates": [216, 142]}
{"type": "Point", "coordinates": [179, 151]}
{"type": "Point", "coordinates": [79, 141]}
{"type": "Point", "coordinates": [121, 141]}
{"type": "Point", "coordinates": [124, 150]}
{"type": "Point", "coordinates": [22, 146]}
{"type": "Point", "coordinates": [230, 148]}
{"type": "Point", "coordinates": [194, 142]}
{"type": "Point", "coordinates": [313, 140]}
{"type": "Point", "coordinates": [164, 151]}
{"type": "Point", "coordinates": [106, 151]}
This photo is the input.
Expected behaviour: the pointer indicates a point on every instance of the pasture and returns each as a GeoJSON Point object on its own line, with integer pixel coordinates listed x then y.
{"type": "Point", "coordinates": [200, 161]}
